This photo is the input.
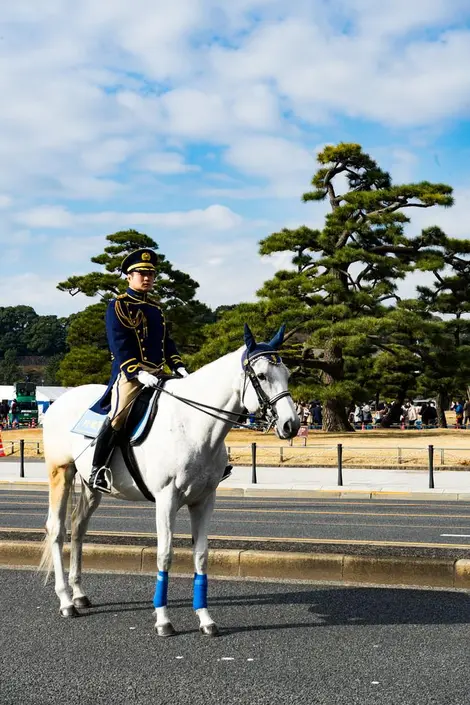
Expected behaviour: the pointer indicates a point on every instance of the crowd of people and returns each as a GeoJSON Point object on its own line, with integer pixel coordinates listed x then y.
{"type": "Point", "coordinates": [310, 414]}
{"type": "Point", "coordinates": [413, 415]}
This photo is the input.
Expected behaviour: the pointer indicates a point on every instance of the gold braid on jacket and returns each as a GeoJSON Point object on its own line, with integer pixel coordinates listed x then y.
{"type": "Point", "coordinates": [129, 321]}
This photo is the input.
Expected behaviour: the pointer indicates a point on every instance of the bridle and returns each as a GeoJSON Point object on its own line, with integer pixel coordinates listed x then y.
{"type": "Point", "coordinates": [267, 406]}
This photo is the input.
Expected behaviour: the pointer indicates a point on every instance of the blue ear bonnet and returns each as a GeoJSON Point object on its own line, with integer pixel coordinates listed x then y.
{"type": "Point", "coordinates": [267, 350]}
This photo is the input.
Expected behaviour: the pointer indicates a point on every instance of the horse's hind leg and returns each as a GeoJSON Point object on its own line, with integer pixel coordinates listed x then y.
{"type": "Point", "coordinates": [201, 514]}
{"type": "Point", "coordinates": [60, 482]}
{"type": "Point", "coordinates": [88, 503]}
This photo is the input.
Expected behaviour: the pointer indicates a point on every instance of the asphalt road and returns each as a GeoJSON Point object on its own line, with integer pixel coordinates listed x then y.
{"type": "Point", "coordinates": [405, 522]}
{"type": "Point", "coordinates": [279, 644]}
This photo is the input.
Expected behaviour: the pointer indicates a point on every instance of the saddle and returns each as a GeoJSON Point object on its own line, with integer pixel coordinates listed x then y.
{"type": "Point", "coordinates": [142, 413]}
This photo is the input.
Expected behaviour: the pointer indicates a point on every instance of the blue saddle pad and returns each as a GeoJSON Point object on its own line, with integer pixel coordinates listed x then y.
{"type": "Point", "coordinates": [90, 423]}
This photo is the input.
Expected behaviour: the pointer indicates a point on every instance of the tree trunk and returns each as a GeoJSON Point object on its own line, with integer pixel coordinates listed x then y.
{"type": "Point", "coordinates": [395, 411]}
{"type": "Point", "coordinates": [335, 416]}
{"type": "Point", "coordinates": [441, 403]}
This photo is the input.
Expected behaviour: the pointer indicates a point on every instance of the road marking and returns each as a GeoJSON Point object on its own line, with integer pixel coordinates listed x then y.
{"type": "Point", "coordinates": [306, 512]}
{"type": "Point", "coordinates": [463, 536]}
{"type": "Point", "coordinates": [265, 522]}
{"type": "Point", "coordinates": [262, 500]}
{"type": "Point", "coordinates": [261, 539]}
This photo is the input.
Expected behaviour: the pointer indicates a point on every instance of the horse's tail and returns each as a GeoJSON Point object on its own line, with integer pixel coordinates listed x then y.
{"type": "Point", "coordinates": [46, 562]}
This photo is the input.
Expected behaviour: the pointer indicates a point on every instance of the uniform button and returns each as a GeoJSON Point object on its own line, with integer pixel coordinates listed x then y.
{"type": "Point", "coordinates": [145, 358]}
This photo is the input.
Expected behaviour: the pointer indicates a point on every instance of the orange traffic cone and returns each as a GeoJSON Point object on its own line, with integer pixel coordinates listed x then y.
{"type": "Point", "coordinates": [2, 452]}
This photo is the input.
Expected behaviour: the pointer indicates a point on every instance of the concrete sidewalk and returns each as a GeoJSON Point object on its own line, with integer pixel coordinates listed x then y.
{"type": "Point", "coordinates": [301, 481]}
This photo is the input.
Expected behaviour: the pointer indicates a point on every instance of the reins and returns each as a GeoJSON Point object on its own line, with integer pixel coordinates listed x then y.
{"type": "Point", "coordinates": [268, 416]}
{"type": "Point", "coordinates": [266, 404]}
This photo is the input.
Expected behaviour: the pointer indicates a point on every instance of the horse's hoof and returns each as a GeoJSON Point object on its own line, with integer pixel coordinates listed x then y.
{"type": "Point", "coordinates": [209, 630]}
{"type": "Point", "coordinates": [69, 611]}
{"type": "Point", "coordinates": [82, 602]}
{"type": "Point", "coordinates": [165, 629]}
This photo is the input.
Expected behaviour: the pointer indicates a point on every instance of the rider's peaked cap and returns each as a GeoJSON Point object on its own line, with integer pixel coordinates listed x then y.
{"type": "Point", "coordinates": [139, 259]}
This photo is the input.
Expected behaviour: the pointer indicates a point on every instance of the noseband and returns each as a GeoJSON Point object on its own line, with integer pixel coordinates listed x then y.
{"type": "Point", "coordinates": [267, 406]}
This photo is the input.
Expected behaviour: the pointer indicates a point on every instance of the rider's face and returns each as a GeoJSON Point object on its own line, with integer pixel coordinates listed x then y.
{"type": "Point", "coordinates": [141, 281]}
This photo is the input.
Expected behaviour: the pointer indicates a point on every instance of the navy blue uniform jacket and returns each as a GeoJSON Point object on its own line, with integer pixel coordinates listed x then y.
{"type": "Point", "coordinates": [137, 336]}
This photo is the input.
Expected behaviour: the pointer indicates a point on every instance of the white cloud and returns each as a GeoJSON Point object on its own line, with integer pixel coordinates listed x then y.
{"type": "Point", "coordinates": [100, 98]}
{"type": "Point", "coordinates": [31, 289]}
{"type": "Point", "coordinates": [214, 217]}
{"type": "Point", "coordinates": [166, 163]}
{"type": "Point", "coordinates": [46, 217]}
{"type": "Point", "coordinates": [287, 166]}
{"type": "Point", "coordinates": [5, 201]}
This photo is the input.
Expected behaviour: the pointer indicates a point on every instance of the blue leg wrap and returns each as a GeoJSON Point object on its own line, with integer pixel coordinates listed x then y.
{"type": "Point", "coordinates": [200, 591]}
{"type": "Point", "coordinates": [161, 589]}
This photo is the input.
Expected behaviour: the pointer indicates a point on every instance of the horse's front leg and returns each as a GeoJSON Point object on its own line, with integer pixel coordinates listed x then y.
{"type": "Point", "coordinates": [166, 506]}
{"type": "Point", "coordinates": [201, 514]}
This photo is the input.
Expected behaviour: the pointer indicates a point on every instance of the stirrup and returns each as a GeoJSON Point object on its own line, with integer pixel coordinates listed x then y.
{"type": "Point", "coordinates": [227, 473]}
{"type": "Point", "coordinates": [103, 480]}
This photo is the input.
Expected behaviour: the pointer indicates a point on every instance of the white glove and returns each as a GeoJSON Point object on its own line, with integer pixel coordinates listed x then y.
{"type": "Point", "coordinates": [147, 380]}
{"type": "Point", "coordinates": [182, 372]}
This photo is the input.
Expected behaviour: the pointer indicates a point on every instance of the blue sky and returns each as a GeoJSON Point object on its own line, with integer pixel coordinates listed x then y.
{"type": "Point", "coordinates": [198, 121]}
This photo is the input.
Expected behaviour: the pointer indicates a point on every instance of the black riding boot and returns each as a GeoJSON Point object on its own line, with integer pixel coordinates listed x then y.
{"type": "Point", "coordinates": [100, 478]}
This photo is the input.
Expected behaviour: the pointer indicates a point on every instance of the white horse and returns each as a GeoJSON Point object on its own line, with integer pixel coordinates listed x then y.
{"type": "Point", "coordinates": [181, 461]}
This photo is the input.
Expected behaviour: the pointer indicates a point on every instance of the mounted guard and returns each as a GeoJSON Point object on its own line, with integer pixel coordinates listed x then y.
{"type": "Point", "coordinates": [181, 460]}
{"type": "Point", "coordinates": [140, 347]}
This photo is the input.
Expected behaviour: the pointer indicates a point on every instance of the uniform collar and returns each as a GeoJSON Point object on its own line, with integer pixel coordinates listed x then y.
{"type": "Point", "coordinates": [139, 295]}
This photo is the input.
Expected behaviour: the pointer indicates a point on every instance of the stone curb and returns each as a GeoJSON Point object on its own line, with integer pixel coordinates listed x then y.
{"type": "Point", "coordinates": [273, 493]}
{"type": "Point", "coordinates": [272, 565]}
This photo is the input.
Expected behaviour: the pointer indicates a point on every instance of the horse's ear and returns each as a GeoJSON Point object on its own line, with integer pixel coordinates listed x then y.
{"type": "Point", "coordinates": [278, 339]}
{"type": "Point", "coordinates": [250, 341]}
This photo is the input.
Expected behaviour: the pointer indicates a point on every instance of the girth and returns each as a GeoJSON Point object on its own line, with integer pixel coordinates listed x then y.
{"type": "Point", "coordinates": [138, 409]}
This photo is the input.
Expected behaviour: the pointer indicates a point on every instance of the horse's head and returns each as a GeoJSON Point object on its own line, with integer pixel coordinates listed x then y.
{"type": "Point", "coordinates": [265, 383]}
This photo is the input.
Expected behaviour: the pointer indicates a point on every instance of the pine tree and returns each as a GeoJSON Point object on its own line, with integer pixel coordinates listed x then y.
{"type": "Point", "coordinates": [340, 291]}
{"type": "Point", "coordinates": [446, 351]}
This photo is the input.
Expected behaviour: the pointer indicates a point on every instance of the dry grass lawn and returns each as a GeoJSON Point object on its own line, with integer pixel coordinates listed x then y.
{"type": "Point", "coordinates": [373, 448]}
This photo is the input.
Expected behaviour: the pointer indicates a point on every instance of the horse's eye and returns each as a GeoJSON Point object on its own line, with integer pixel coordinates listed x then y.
{"type": "Point", "coordinates": [262, 376]}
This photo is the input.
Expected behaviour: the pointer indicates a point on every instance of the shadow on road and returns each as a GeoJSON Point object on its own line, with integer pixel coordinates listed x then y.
{"type": "Point", "coordinates": [334, 606]}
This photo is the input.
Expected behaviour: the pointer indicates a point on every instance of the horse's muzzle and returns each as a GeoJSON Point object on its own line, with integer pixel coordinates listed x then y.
{"type": "Point", "coordinates": [290, 428]}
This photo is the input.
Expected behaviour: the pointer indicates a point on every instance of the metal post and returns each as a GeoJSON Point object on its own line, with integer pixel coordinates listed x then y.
{"type": "Point", "coordinates": [22, 457]}
{"type": "Point", "coordinates": [340, 464]}
{"type": "Point", "coordinates": [399, 458]}
{"type": "Point", "coordinates": [228, 453]}
{"type": "Point", "coordinates": [37, 448]}
{"type": "Point", "coordinates": [431, 467]}
{"type": "Point", "coordinates": [442, 456]}
{"type": "Point", "coordinates": [253, 464]}
{"type": "Point", "coordinates": [281, 454]}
